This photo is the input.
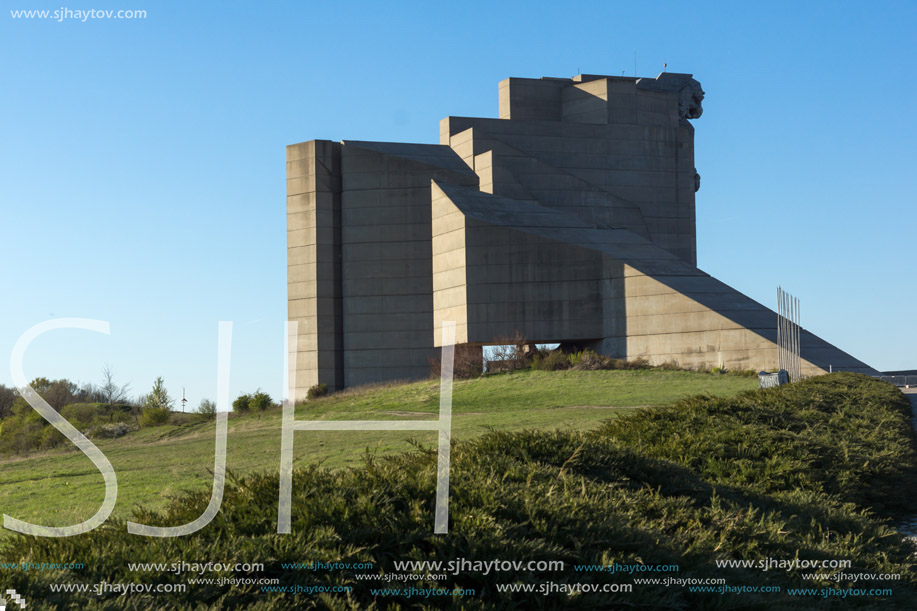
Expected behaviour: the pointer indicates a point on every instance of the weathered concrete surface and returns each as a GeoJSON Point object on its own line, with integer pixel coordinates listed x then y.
{"type": "Point", "coordinates": [570, 281]}
{"type": "Point", "coordinates": [360, 260]}
{"type": "Point", "coordinates": [313, 260]}
{"type": "Point", "coordinates": [571, 218]}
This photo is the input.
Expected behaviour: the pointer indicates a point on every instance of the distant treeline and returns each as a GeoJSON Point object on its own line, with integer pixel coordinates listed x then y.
{"type": "Point", "coordinates": [97, 411]}
{"type": "Point", "coordinates": [103, 411]}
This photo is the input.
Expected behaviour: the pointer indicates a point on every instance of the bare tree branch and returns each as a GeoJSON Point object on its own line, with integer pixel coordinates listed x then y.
{"type": "Point", "coordinates": [110, 390]}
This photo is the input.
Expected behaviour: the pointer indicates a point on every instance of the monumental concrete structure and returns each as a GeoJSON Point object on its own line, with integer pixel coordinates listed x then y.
{"type": "Point", "coordinates": [570, 219]}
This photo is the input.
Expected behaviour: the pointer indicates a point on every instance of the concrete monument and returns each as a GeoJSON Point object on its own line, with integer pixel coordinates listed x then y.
{"type": "Point", "coordinates": [569, 219]}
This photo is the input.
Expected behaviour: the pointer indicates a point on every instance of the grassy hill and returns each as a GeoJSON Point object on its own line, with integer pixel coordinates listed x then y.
{"type": "Point", "coordinates": [152, 465]}
{"type": "Point", "coordinates": [814, 471]}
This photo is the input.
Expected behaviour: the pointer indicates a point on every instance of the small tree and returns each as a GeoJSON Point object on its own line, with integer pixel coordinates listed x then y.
{"type": "Point", "coordinates": [111, 392]}
{"type": "Point", "coordinates": [260, 401]}
{"type": "Point", "coordinates": [208, 408]}
{"type": "Point", "coordinates": [159, 397]}
{"type": "Point", "coordinates": [511, 352]}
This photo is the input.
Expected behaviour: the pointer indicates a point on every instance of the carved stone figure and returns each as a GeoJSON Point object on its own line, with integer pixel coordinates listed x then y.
{"type": "Point", "coordinates": [689, 100]}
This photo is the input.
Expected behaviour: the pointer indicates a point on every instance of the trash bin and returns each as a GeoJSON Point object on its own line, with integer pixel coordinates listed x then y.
{"type": "Point", "coordinates": [770, 380]}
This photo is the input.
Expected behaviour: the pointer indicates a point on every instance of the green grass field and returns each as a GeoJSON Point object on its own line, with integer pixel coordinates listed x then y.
{"type": "Point", "coordinates": [152, 465]}
{"type": "Point", "coordinates": [817, 471]}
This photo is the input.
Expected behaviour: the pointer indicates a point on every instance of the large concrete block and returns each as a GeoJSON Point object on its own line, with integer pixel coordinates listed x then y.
{"type": "Point", "coordinates": [570, 218]}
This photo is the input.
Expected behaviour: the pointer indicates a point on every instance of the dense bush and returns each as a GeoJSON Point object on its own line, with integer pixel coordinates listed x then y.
{"type": "Point", "coordinates": [26, 431]}
{"type": "Point", "coordinates": [154, 416]}
{"type": "Point", "coordinates": [807, 470]}
{"type": "Point", "coordinates": [554, 360]}
{"type": "Point", "coordinates": [844, 435]}
{"type": "Point", "coordinates": [80, 415]}
{"type": "Point", "coordinates": [260, 401]}
{"type": "Point", "coordinates": [242, 404]}
{"type": "Point", "coordinates": [588, 360]}
{"type": "Point", "coordinates": [319, 390]}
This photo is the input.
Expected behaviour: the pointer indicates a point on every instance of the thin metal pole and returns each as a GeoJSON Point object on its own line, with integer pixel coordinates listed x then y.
{"type": "Point", "coordinates": [794, 373]}
{"type": "Point", "coordinates": [786, 355]}
{"type": "Point", "coordinates": [798, 339]}
{"type": "Point", "coordinates": [789, 334]}
{"type": "Point", "coordinates": [795, 327]}
{"type": "Point", "coordinates": [779, 330]}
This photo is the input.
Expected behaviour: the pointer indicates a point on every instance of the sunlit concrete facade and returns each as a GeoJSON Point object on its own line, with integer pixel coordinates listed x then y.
{"type": "Point", "coordinates": [569, 219]}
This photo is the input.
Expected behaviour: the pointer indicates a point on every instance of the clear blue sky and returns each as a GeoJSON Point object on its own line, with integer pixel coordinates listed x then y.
{"type": "Point", "coordinates": [142, 161]}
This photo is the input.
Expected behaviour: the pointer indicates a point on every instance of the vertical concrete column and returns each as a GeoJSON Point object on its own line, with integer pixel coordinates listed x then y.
{"type": "Point", "coordinates": [314, 262]}
{"type": "Point", "coordinates": [685, 193]}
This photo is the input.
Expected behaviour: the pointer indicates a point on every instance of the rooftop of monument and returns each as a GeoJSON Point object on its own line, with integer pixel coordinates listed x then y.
{"type": "Point", "coordinates": [586, 78]}
{"type": "Point", "coordinates": [580, 99]}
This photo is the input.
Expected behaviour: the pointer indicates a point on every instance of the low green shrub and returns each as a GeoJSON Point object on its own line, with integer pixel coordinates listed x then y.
{"type": "Point", "coordinates": [154, 416]}
{"type": "Point", "coordinates": [26, 431]}
{"type": "Point", "coordinates": [111, 430]}
{"type": "Point", "coordinates": [588, 360]}
{"type": "Point", "coordinates": [319, 390]}
{"type": "Point", "coordinates": [574, 358]}
{"type": "Point", "coordinates": [80, 415]}
{"type": "Point", "coordinates": [555, 360]}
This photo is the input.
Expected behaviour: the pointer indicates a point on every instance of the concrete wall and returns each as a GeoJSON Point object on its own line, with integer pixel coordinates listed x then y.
{"type": "Point", "coordinates": [493, 280]}
{"type": "Point", "coordinates": [314, 263]}
{"type": "Point", "coordinates": [569, 219]}
{"type": "Point", "coordinates": [605, 149]}
{"type": "Point", "coordinates": [505, 266]}
{"type": "Point", "coordinates": [388, 257]}
{"type": "Point", "coordinates": [360, 269]}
